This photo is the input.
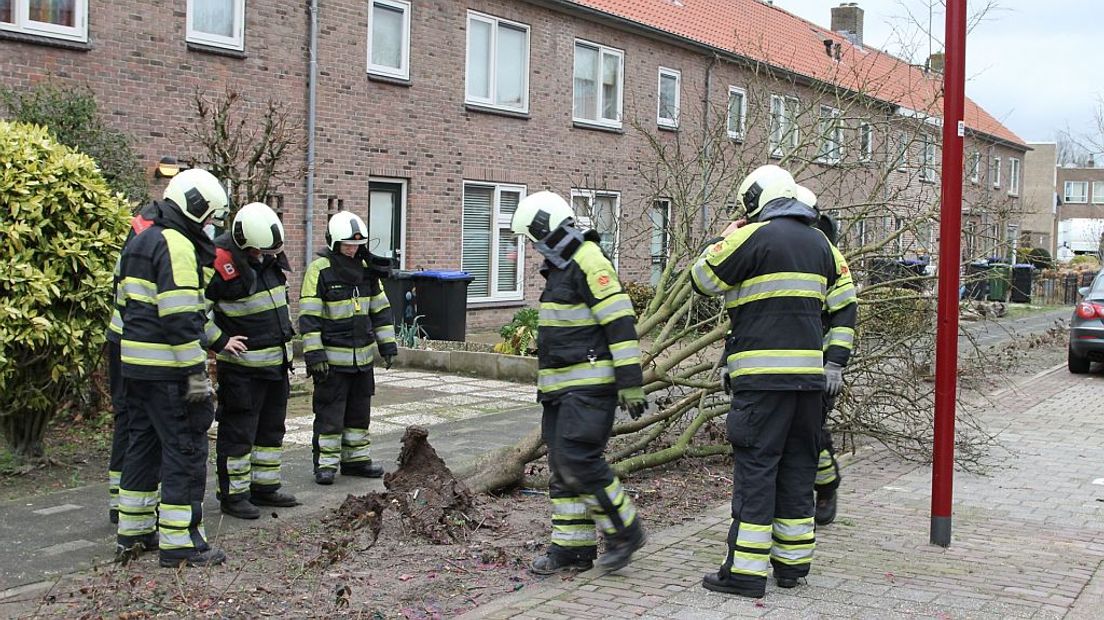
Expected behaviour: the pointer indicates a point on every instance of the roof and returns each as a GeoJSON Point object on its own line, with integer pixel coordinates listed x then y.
{"type": "Point", "coordinates": [768, 34]}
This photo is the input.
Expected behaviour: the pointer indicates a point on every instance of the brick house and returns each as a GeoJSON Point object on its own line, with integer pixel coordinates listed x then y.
{"type": "Point", "coordinates": [1080, 210]}
{"type": "Point", "coordinates": [433, 118]}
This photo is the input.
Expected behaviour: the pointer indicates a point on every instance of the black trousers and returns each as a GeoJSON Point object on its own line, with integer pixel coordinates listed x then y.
{"type": "Point", "coordinates": [828, 476]}
{"type": "Point", "coordinates": [774, 437]}
{"type": "Point", "coordinates": [584, 491]}
{"type": "Point", "coordinates": [342, 412]}
{"type": "Point", "coordinates": [167, 443]}
{"type": "Point", "coordinates": [119, 418]}
{"type": "Point", "coordinates": [252, 407]}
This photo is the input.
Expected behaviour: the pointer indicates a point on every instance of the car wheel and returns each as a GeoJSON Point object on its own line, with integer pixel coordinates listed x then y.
{"type": "Point", "coordinates": [1077, 365]}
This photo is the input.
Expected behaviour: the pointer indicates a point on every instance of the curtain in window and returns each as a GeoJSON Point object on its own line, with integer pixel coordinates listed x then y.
{"type": "Point", "coordinates": [668, 97]}
{"type": "Point", "coordinates": [507, 244]}
{"type": "Point", "coordinates": [59, 12]}
{"type": "Point", "coordinates": [476, 259]}
{"type": "Point", "coordinates": [6, 12]}
{"type": "Point", "coordinates": [776, 113]}
{"type": "Point", "coordinates": [605, 222]}
{"type": "Point", "coordinates": [735, 112]}
{"type": "Point", "coordinates": [659, 243]}
{"type": "Point", "coordinates": [479, 59]}
{"type": "Point", "coordinates": [510, 62]}
{"type": "Point", "coordinates": [213, 17]}
{"type": "Point", "coordinates": [586, 87]}
{"type": "Point", "coordinates": [611, 83]}
{"type": "Point", "coordinates": [387, 36]}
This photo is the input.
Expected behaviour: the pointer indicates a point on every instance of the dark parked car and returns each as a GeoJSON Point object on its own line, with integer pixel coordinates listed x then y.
{"type": "Point", "coordinates": [1087, 328]}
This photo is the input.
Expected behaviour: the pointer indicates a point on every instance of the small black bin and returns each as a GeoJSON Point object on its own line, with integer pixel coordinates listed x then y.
{"type": "Point", "coordinates": [442, 300]}
{"type": "Point", "coordinates": [399, 288]}
{"type": "Point", "coordinates": [1022, 276]}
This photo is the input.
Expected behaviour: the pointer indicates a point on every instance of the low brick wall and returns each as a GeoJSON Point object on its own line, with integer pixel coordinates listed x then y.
{"type": "Point", "coordinates": [487, 365]}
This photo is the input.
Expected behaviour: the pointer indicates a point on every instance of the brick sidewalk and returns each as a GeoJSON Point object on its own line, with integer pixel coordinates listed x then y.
{"type": "Point", "coordinates": [1028, 540]}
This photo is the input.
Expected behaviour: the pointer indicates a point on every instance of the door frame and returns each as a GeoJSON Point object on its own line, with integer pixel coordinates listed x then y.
{"type": "Point", "coordinates": [404, 204]}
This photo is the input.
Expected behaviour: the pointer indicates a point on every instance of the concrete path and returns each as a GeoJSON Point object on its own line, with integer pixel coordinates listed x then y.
{"type": "Point", "coordinates": [996, 331]}
{"type": "Point", "coordinates": [1028, 541]}
{"type": "Point", "coordinates": [57, 533]}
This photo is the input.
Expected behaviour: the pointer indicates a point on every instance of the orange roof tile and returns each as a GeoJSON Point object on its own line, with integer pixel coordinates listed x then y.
{"type": "Point", "coordinates": [771, 35]}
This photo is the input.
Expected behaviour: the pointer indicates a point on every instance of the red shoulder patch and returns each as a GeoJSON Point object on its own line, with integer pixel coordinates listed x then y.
{"type": "Point", "coordinates": [224, 264]}
{"type": "Point", "coordinates": [603, 280]}
{"type": "Point", "coordinates": [844, 270]}
{"type": "Point", "coordinates": [139, 224]}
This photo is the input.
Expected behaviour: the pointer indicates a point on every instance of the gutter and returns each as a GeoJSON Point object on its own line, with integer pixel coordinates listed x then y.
{"type": "Point", "coordinates": [312, 105]}
{"type": "Point", "coordinates": [705, 144]}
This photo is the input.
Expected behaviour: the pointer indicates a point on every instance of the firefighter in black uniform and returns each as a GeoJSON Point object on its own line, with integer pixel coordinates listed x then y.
{"type": "Point", "coordinates": [839, 340]}
{"type": "Point", "coordinates": [249, 297]}
{"type": "Point", "coordinates": [145, 218]}
{"type": "Point", "coordinates": [775, 273]}
{"type": "Point", "coordinates": [168, 393]}
{"type": "Point", "coordinates": [589, 361]}
{"type": "Point", "coordinates": [346, 324]}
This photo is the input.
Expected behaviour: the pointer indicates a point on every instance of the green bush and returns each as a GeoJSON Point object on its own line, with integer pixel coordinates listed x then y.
{"type": "Point", "coordinates": [640, 294]}
{"type": "Point", "coordinates": [61, 234]}
{"type": "Point", "coordinates": [1085, 261]}
{"type": "Point", "coordinates": [519, 336]}
{"type": "Point", "coordinates": [73, 118]}
{"type": "Point", "coordinates": [1039, 258]}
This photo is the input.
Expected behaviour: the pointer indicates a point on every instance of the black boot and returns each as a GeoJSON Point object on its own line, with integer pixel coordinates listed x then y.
{"type": "Point", "coordinates": [130, 547]}
{"type": "Point", "coordinates": [717, 582]}
{"type": "Point", "coordinates": [619, 549]}
{"type": "Point", "coordinates": [210, 557]}
{"type": "Point", "coordinates": [550, 564]}
{"type": "Point", "coordinates": [825, 507]}
{"type": "Point", "coordinates": [113, 516]}
{"type": "Point", "coordinates": [238, 505]}
{"type": "Point", "coordinates": [786, 582]}
{"type": "Point", "coordinates": [324, 476]}
{"type": "Point", "coordinates": [273, 498]}
{"type": "Point", "coordinates": [363, 469]}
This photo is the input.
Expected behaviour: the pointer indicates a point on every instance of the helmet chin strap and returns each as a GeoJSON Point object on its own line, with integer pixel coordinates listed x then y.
{"type": "Point", "coordinates": [560, 245]}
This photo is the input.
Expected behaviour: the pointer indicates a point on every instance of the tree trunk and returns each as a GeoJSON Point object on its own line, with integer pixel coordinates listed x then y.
{"type": "Point", "coordinates": [23, 433]}
{"type": "Point", "coordinates": [503, 467]}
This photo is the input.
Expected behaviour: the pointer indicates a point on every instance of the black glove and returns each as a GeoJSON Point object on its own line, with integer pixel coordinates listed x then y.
{"type": "Point", "coordinates": [633, 400]}
{"type": "Point", "coordinates": [319, 370]}
{"type": "Point", "coordinates": [387, 361]}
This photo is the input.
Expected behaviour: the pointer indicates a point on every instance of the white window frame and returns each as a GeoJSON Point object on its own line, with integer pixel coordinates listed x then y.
{"type": "Point", "coordinates": [1084, 199]}
{"type": "Point", "coordinates": [602, 51]}
{"type": "Point", "coordinates": [1013, 176]}
{"type": "Point", "coordinates": [492, 70]}
{"type": "Point", "coordinates": [497, 224]}
{"type": "Point", "coordinates": [21, 14]}
{"type": "Point", "coordinates": [866, 142]}
{"type": "Point", "coordinates": [666, 231]}
{"type": "Point", "coordinates": [403, 71]}
{"type": "Point", "coordinates": [901, 152]}
{"type": "Point", "coordinates": [787, 126]}
{"type": "Point", "coordinates": [975, 170]}
{"type": "Point", "coordinates": [996, 178]}
{"type": "Point", "coordinates": [236, 42]}
{"type": "Point", "coordinates": [1098, 196]}
{"type": "Point", "coordinates": [737, 134]}
{"type": "Point", "coordinates": [586, 222]}
{"type": "Point", "coordinates": [927, 170]}
{"type": "Point", "coordinates": [669, 123]}
{"type": "Point", "coordinates": [836, 131]}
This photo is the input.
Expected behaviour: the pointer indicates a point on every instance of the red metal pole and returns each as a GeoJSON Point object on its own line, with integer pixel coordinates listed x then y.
{"type": "Point", "coordinates": [950, 230]}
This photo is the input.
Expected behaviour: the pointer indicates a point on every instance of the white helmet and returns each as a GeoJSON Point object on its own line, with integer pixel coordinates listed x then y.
{"type": "Point", "coordinates": [257, 226]}
{"type": "Point", "coordinates": [198, 194]}
{"type": "Point", "coordinates": [346, 227]}
{"type": "Point", "coordinates": [539, 214]}
{"type": "Point", "coordinates": [764, 184]}
{"type": "Point", "coordinates": [806, 196]}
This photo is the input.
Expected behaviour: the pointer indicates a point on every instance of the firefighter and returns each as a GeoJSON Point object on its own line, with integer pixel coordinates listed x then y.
{"type": "Point", "coordinates": [249, 297]}
{"type": "Point", "coordinates": [839, 339]}
{"type": "Point", "coordinates": [775, 272]}
{"type": "Point", "coordinates": [168, 393]}
{"type": "Point", "coordinates": [589, 362]}
{"type": "Point", "coordinates": [345, 320]}
{"type": "Point", "coordinates": [145, 218]}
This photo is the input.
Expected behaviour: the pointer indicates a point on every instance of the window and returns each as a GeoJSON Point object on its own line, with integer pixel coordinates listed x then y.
{"type": "Point", "coordinates": [498, 63]}
{"type": "Point", "coordinates": [898, 226]}
{"type": "Point", "coordinates": [784, 134]}
{"type": "Point", "coordinates": [1077, 192]}
{"type": "Point", "coordinates": [737, 112]}
{"type": "Point", "coordinates": [597, 80]}
{"type": "Point", "coordinates": [927, 172]}
{"type": "Point", "coordinates": [831, 135]}
{"type": "Point", "coordinates": [668, 113]}
{"type": "Point", "coordinates": [491, 252]}
{"type": "Point", "coordinates": [995, 171]}
{"type": "Point", "coordinates": [975, 167]}
{"type": "Point", "coordinates": [866, 142]}
{"type": "Point", "coordinates": [1014, 176]}
{"type": "Point", "coordinates": [62, 19]}
{"type": "Point", "coordinates": [389, 38]}
{"type": "Point", "coordinates": [1098, 192]}
{"type": "Point", "coordinates": [599, 210]}
{"type": "Point", "coordinates": [386, 199]}
{"type": "Point", "coordinates": [661, 237]}
{"type": "Point", "coordinates": [220, 23]}
{"type": "Point", "coordinates": [902, 159]}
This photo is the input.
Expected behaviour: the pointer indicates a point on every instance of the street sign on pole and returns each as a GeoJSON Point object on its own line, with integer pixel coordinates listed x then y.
{"type": "Point", "coordinates": [950, 231]}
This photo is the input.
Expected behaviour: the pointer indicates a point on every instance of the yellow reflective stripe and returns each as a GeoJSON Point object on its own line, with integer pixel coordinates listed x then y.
{"type": "Point", "coordinates": [754, 536]}
{"type": "Point", "coordinates": [625, 353]}
{"type": "Point", "coordinates": [754, 564]}
{"type": "Point", "coordinates": [385, 335]}
{"type": "Point", "coordinates": [312, 341]}
{"type": "Point", "coordinates": [343, 309]}
{"type": "Point", "coordinates": [598, 373]}
{"type": "Point", "coordinates": [254, 304]}
{"type": "Point", "coordinates": [175, 515]}
{"type": "Point", "coordinates": [776, 361]}
{"type": "Point", "coordinates": [704, 278]}
{"type": "Point", "coordinates": [794, 530]}
{"type": "Point", "coordinates": [346, 356]}
{"type": "Point", "coordinates": [138, 289]}
{"type": "Point", "coordinates": [783, 284]}
{"type": "Point", "coordinates": [310, 306]}
{"type": "Point", "coordinates": [841, 297]}
{"type": "Point", "coordinates": [255, 358]}
{"type": "Point", "coordinates": [157, 354]}
{"type": "Point", "coordinates": [116, 324]}
{"type": "Point", "coordinates": [612, 308]}
{"type": "Point", "coordinates": [179, 300]}
{"type": "Point", "coordinates": [329, 451]}
{"type": "Point", "coordinates": [182, 258]}
{"type": "Point", "coordinates": [565, 315]}
{"type": "Point", "coordinates": [379, 303]}
{"type": "Point", "coordinates": [841, 337]}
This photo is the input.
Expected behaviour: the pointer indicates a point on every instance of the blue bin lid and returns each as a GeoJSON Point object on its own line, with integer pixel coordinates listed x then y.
{"type": "Point", "coordinates": [1024, 266]}
{"type": "Point", "coordinates": [443, 275]}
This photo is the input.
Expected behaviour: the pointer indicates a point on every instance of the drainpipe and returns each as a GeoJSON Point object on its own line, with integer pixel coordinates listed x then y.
{"type": "Point", "coordinates": [705, 146]}
{"type": "Point", "coordinates": [312, 100]}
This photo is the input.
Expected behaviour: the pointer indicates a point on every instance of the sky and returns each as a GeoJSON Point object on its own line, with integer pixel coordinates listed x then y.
{"type": "Point", "coordinates": [1033, 64]}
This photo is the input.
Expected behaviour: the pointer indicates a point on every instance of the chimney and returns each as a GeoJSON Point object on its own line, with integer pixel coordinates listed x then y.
{"type": "Point", "coordinates": [847, 19]}
{"type": "Point", "coordinates": [937, 62]}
